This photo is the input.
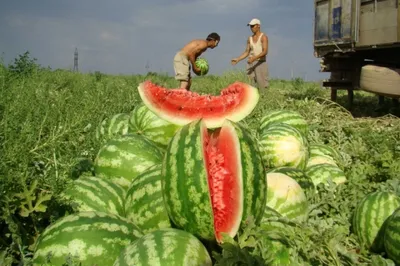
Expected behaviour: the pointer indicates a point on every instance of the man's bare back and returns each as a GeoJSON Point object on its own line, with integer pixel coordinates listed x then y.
{"type": "Point", "coordinates": [195, 48]}
{"type": "Point", "coordinates": [187, 56]}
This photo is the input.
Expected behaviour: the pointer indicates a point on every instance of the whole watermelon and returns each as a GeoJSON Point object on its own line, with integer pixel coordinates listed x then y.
{"type": "Point", "coordinates": [86, 238]}
{"type": "Point", "coordinates": [167, 246]}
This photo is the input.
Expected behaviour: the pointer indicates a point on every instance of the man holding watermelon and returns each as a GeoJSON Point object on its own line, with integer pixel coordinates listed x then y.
{"type": "Point", "coordinates": [257, 50]}
{"type": "Point", "coordinates": [188, 55]}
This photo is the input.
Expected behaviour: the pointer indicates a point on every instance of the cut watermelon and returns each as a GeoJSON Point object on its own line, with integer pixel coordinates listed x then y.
{"type": "Point", "coordinates": [181, 107]}
{"type": "Point", "coordinates": [222, 160]}
{"type": "Point", "coordinates": [213, 181]}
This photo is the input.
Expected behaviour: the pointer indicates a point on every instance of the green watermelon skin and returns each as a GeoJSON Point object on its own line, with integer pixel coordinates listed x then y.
{"type": "Point", "coordinates": [321, 173]}
{"type": "Point", "coordinates": [392, 236]}
{"type": "Point", "coordinates": [289, 117]}
{"type": "Point", "coordinates": [144, 204]}
{"type": "Point", "coordinates": [90, 193]}
{"type": "Point", "coordinates": [301, 178]}
{"type": "Point", "coordinates": [283, 145]}
{"type": "Point", "coordinates": [185, 185]}
{"type": "Point", "coordinates": [113, 126]}
{"type": "Point", "coordinates": [369, 217]}
{"type": "Point", "coordinates": [145, 122]}
{"type": "Point", "coordinates": [124, 158]}
{"type": "Point", "coordinates": [167, 246]}
{"type": "Point", "coordinates": [286, 196]}
{"type": "Point", "coordinates": [323, 153]}
{"type": "Point", "coordinates": [89, 238]}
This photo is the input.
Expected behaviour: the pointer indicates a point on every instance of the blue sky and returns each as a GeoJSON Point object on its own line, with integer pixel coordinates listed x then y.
{"type": "Point", "coordinates": [122, 36]}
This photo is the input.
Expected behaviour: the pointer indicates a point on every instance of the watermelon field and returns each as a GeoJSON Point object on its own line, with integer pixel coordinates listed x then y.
{"type": "Point", "coordinates": [89, 175]}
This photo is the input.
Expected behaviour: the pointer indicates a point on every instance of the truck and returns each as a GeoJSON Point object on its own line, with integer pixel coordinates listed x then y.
{"type": "Point", "coordinates": [358, 43]}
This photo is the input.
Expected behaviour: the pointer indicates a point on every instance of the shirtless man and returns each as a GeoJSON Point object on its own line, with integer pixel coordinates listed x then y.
{"type": "Point", "coordinates": [257, 50]}
{"type": "Point", "coordinates": [188, 54]}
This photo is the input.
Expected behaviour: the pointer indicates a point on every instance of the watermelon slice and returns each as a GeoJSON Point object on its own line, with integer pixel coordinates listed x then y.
{"type": "Point", "coordinates": [181, 107]}
{"type": "Point", "coordinates": [222, 161]}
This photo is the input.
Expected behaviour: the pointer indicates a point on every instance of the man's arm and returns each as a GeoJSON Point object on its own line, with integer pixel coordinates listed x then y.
{"type": "Point", "coordinates": [196, 53]}
{"type": "Point", "coordinates": [264, 43]}
{"type": "Point", "coordinates": [245, 53]}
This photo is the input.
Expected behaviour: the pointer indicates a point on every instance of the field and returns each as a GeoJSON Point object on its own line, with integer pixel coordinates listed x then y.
{"type": "Point", "coordinates": [48, 122]}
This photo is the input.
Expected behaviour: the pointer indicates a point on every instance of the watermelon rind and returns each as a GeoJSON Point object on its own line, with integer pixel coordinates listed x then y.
{"type": "Point", "coordinates": [323, 153]}
{"type": "Point", "coordinates": [392, 236]}
{"type": "Point", "coordinates": [124, 158]}
{"type": "Point", "coordinates": [290, 117]}
{"type": "Point", "coordinates": [322, 173]}
{"type": "Point", "coordinates": [144, 204]}
{"type": "Point", "coordinates": [369, 218]}
{"type": "Point", "coordinates": [90, 193]}
{"type": "Point", "coordinates": [301, 178]}
{"type": "Point", "coordinates": [89, 238]}
{"type": "Point", "coordinates": [113, 126]}
{"type": "Point", "coordinates": [185, 184]}
{"type": "Point", "coordinates": [283, 145]}
{"type": "Point", "coordinates": [145, 122]}
{"type": "Point", "coordinates": [232, 105]}
{"type": "Point", "coordinates": [167, 246]}
{"type": "Point", "coordinates": [286, 196]}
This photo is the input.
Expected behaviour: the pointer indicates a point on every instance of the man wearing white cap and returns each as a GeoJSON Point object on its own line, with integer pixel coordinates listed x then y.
{"type": "Point", "coordinates": [257, 50]}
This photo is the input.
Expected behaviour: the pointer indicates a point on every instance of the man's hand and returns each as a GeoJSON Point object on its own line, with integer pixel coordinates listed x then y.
{"type": "Point", "coordinates": [196, 70]}
{"type": "Point", "coordinates": [251, 59]}
{"type": "Point", "coordinates": [234, 61]}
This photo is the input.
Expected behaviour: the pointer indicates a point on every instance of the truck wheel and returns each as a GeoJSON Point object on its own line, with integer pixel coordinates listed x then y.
{"type": "Point", "coordinates": [380, 80]}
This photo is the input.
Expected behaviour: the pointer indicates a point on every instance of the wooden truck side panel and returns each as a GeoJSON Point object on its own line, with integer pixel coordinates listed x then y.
{"type": "Point", "coordinates": [348, 25]}
{"type": "Point", "coordinates": [379, 23]}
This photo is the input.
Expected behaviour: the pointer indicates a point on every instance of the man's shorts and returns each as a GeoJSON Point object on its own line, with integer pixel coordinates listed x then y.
{"type": "Point", "coordinates": [181, 66]}
{"type": "Point", "coordinates": [259, 73]}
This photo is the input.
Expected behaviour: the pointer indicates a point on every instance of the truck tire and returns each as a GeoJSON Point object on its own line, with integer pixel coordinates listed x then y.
{"type": "Point", "coordinates": [380, 80]}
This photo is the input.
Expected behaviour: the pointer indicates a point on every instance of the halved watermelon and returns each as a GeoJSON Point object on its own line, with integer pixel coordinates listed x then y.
{"type": "Point", "coordinates": [213, 180]}
{"type": "Point", "coordinates": [181, 107]}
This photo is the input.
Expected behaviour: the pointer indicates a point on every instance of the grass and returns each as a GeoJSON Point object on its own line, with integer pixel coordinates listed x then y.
{"type": "Point", "coordinates": [48, 121]}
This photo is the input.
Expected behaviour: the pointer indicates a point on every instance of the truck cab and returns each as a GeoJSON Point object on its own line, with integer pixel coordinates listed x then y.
{"type": "Point", "coordinates": [358, 42]}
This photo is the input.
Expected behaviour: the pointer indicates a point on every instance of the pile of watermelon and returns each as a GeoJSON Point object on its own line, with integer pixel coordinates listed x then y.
{"type": "Point", "coordinates": [183, 170]}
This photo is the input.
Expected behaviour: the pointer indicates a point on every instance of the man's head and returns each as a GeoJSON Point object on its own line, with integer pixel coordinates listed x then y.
{"type": "Point", "coordinates": [213, 40]}
{"type": "Point", "coordinates": [254, 25]}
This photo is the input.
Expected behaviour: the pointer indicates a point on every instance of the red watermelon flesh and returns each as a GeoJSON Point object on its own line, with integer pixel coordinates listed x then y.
{"type": "Point", "coordinates": [181, 107]}
{"type": "Point", "coordinates": [222, 159]}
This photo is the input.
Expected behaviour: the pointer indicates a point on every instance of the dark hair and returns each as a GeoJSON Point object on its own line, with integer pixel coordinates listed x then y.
{"type": "Point", "coordinates": [213, 36]}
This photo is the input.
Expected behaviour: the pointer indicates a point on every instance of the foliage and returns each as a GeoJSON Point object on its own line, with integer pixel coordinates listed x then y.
{"type": "Point", "coordinates": [47, 136]}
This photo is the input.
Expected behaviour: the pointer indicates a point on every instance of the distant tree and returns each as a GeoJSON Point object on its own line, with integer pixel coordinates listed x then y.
{"type": "Point", "coordinates": [24, 65]}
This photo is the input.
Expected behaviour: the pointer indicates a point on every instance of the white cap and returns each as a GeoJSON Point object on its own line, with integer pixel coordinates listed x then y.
{"type": "Point", "coordinates": [254, 21]}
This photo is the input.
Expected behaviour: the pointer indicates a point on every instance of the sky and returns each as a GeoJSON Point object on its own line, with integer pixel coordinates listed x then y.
{"type": "Point", "coordinates": [125, 36]}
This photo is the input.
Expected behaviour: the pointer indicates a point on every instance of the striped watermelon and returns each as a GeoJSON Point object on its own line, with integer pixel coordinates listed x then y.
{"type": "Point", "coordinates": [369, 217]}
{"type": "Point", "coordinates": [321, 173]}
{"type": "Point", "coordinates": [89, 238]}
{"type": "Point", "coordinates": [144, 203]}
{"type": "Point", "coordinates": [143, 121]}
{"type": "Point", "coordinates": [301, 178]}
{"type": "Point", "coordinates": [167, 246]}
{"type": "Point", "coordinates": [212, 181]}
{"type": "Point", "coordinates": [392, 236]}
{"type": "Point", "coordinates": [202, 63]}
{"type": "Point", "coordinates": [113, 126]}
{"type": "Point", "coordinates": [89, 193]}
{"type": "Point", "coordinates": [289, 117]}
{"type": "Point", "coordinates": [286, 196]}
{"type": "Point", "coordinates": [322, 153]}
{"type": "Point", "coordinates": [124, 158]}
{"type": "Point", "coordinates": [283, 145]}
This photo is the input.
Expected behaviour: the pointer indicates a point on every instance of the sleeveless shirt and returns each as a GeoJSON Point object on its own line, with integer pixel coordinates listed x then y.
{"type": "Point", "coordinates": [256, 48]}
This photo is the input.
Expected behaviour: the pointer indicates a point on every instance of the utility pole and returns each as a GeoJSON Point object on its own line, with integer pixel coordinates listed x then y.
{"type": "Point", "coordinates": [76, 60]}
